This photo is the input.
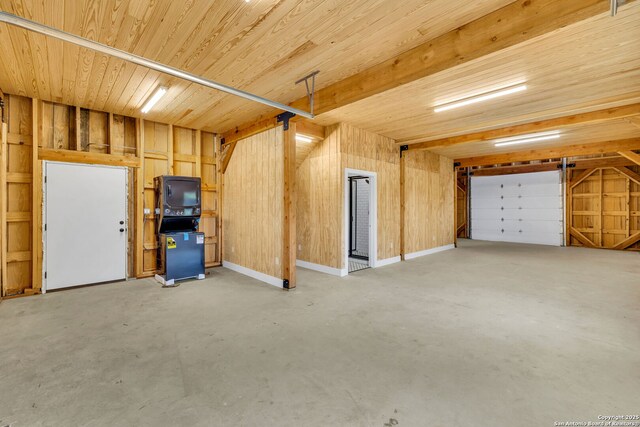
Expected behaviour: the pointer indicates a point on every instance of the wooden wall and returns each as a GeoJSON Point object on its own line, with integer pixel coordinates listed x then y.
{"type": "Point", "coordinates": [72, 134]}
{"type": "Point", "coordinates": [603, 207]}
{"type": "Point", "coordinates": [16, 212]}
{"type": "Point", "coordinates": [321, 193]}
{"type": "Point", "coordinates": [429, 204]}
{"type": "Point", "coordinates": [370, 152]}
{"type": "Point", "coordinates": [253, 203]}
{"type": "Point", "coordinates": [319, 207]}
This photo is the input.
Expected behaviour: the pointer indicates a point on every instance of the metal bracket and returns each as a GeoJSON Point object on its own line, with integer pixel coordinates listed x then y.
{"type": "Point", "coordinates": [222, 141]}
{"type": "Point", "coordinates": [403, 148]}
{"type": "Point", "coordinates": [2, 108]}
{"type": "Point", "coordinates": [310, 91]}
{"type": "Point", "coordinates": [284, 118]}
{"type": "Point", "coordinates": [456, 164]}
{"type": "Point", "coordinates": [568, 165]}
{"type": "Point", "coordinates": [285, 283]}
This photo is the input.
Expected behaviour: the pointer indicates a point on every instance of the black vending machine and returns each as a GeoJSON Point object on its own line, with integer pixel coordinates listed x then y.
{"type": "Point", "coordinates": [181, 246]}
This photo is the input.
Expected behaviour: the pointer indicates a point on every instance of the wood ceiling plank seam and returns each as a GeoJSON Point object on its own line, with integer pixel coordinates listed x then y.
{"type": "Point", "coordinates": [136, 79]}
{"type": "Point", "coordinates": [113, 70]}
{"type": "Point", "coordinates": [122, 80]}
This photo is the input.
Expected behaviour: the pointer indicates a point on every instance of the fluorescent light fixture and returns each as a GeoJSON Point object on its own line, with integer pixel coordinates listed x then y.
{"type": "Point", "coordinates": [479, 98]}
{"type": "Point", "coordinates": [159, 93]}
{"type": "Point", "coordinates": [523, 139]}
{"type": "Point", "coordinates": [302, 138]}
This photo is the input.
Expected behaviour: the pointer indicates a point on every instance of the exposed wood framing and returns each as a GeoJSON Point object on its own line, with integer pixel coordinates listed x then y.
{"type": "Point", "coordinates": [508, 26]}
{"type": "Point", "coordinates": [536, 126]}
{"type": "Point", "coordinates": [36, 187]}
{"type": "Point", "coordinates": [87, 157]}
{"type": "Point", "coordinates": [289, 211]}
{"type": "Point", "coordinates": [139, 221]}
{"type": "Point", "coordinates": [553, 153]}
{"type": "Point", "coordinates": [3, 211]}
{"type": "Point", "coordinates": [634, 157]}
{"type": "Point", "coordinates": [602, 207]}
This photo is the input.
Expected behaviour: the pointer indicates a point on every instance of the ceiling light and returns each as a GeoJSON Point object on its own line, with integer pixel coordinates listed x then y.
{"type": "Point", "coordinates": [532, 137]}
{"type": "Point", "coordinates": [159, 93]}
{"type": "Point", "coordinates": [302, 138]}
{"type": "Point", "coordinates": [479, 98]}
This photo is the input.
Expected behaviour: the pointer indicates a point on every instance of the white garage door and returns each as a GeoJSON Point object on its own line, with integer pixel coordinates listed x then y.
{"type": "Point", "coordinates": [522, 208]}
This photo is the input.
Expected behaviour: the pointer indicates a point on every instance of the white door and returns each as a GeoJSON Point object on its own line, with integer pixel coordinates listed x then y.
{"type": "Point", "coordinates": [523, 208]}
{"type": "Point", "coordinates": [85, 224]}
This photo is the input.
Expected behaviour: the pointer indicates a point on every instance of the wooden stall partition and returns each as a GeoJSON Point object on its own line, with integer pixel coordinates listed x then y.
{"type": "Point", "coordinates": [429, 201]}
{"type": "Point", "coordinates": [603, 207]}
{"type": "Point", "coordinates": [253, 206]}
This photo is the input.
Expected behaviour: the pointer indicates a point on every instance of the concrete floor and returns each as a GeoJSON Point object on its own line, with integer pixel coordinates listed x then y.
{"type": "Point", "coordinates": [485, 335]}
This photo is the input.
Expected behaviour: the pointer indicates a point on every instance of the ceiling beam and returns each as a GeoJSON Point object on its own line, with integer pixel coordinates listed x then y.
{"type": "Point", "coordinates": [621, 145]}
{"type": "Point", "coordinates": [597, 116]}
{"type": "Point", "coordinates": [634, 157]}
{"type": "Point", "coordinates": [508, 26]}
{"type": "Point", "coordinates": [515, 23]}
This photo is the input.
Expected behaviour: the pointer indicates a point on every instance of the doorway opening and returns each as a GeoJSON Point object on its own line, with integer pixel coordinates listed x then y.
{"type": "Point", "coordinates": [360, 206]}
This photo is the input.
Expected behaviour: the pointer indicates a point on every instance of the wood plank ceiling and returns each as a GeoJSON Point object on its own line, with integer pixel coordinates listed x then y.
{"type": "Point", "coordinates": [588, 66]}
{"type": "Point", "coordinates": [262, 46]}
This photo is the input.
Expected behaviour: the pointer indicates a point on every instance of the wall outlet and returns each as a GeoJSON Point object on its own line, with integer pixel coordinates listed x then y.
{"type": "Point", "coordinates": [147, 211]}
{"type": "Point", "coordinates": [299, 247]}
{"type": "Point", "coordinates": [277, 261]}
{"type": "Point", "coordinates": [233, 249]}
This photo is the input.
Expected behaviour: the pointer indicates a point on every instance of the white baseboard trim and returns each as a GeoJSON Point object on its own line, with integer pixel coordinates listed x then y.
{"type": "Point", "coordinates": [428, 251]}
{"type": "Point", "coordinates": [252, 273]}
{"type": "Point", "coordinates": [322, 268]}
{"type": "Point", "coordinates": [387, 261]}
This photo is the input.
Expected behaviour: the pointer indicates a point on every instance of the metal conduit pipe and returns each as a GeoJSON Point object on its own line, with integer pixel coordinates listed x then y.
{"type": "Point", "coordinates": [139, 60]}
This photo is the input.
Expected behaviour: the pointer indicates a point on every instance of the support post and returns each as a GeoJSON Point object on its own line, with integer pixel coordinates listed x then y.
{"type": "Point", "coordinates": [3, 210]}
{"type": "Point", "coordinates": [139, 215]}
{"type": "Point", "coordinates": [289, 242]}
{"type": "Point", "coordinates": [36, 187]}
{"type": "Point", "coordinates": [402, 201]}
{"type": "Point", "coordinates": [455, 205]}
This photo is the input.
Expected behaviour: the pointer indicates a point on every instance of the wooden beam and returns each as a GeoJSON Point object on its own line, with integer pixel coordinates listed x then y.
{"type": "Point", "coordinates": [581, 238]}
{"type": "Point", "coordinates": [87, 157]}
{"type": "Point", "coordinates": [403, 166]}
{"type": "Point", "coordinates": [597, 116]}
{"type": "Point", "coordinates": [629, 174]}
{"type": "Point", "coordinates": [552, 153]}
{"type": "Point", "coordinates": [78, 126]}
{"type": "Point", "coordinates": [308, 128]}
{"type": "Point", "coordinates": [3, 209]}
{"type": "Point", "coordinates": [579, 178]}
{"type": "Point", "coordinates": [508, 170]}
{"type": "Point", "coordinates": [628, 241]}
{"type": "Point", "coordinates": [36, 187]}
{"type": "Point", "coordinates": [139, 200]}
{"type": "Point", "coordinates": [289, 243]}
{"type": "Point", "coordinates": [226, 153]}
{"type": "Point", "coordinates": [634, 157]}
{"type": "Point", "coordinates": [508, 26]}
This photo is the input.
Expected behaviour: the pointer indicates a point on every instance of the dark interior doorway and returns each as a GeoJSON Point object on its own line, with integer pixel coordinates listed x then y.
{"type": "Point", "coordinates": [359, 205]}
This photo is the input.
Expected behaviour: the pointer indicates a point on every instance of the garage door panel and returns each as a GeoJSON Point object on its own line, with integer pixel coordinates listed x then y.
{"type": "Point", "coordinates": [523, 208]}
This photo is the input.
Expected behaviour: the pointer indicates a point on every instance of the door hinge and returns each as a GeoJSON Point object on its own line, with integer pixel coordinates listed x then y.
{"type": "Point", "coordinates": [45, 227]}
{"type": "Point", "coordinates": [45, 274]}
{"type": "Point", "coordinates": [45, 179]}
